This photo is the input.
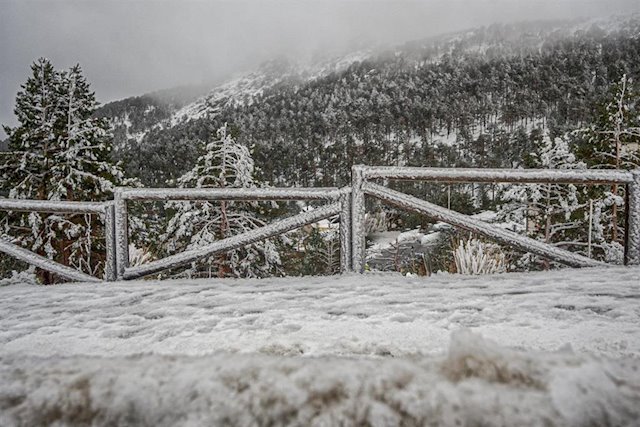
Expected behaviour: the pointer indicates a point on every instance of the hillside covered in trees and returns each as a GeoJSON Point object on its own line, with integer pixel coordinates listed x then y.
{"type": "Point", "coordinates": [480, 98]}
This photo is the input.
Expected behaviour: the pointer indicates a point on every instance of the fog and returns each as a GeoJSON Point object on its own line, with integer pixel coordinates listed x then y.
{"type": "Point", "coordinates": [131, 47]}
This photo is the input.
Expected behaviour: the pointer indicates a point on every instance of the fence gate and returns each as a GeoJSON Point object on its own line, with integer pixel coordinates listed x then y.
{"type": "Point", "coordinates": [338, 202]}
{"type": "Point", "coordinates": [362, 185]}
{"type": "Point", "coordinates": [51, 206]}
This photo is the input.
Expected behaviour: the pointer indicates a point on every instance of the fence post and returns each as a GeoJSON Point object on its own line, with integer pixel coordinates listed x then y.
{"type": "Point", "coordinates": [357, 219]}
{"type": "Point", "coordinates": [121, 234]}
{"type": "Point", "coordinates": [345, 232]}
{"type": "Point", "coordinates": [110, 240]}
{"type": "Point", "coordinates": [632, 238]}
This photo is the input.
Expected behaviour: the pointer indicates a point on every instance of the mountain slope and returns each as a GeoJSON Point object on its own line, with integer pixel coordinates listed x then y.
{"type": "Point", "coordinates": [482, 98]}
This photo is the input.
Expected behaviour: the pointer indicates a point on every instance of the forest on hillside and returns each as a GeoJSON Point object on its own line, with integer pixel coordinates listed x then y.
{"type": "Point", "coordinates": [482, 99]}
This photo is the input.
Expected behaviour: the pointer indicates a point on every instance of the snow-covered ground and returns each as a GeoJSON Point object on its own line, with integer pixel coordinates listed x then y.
{"type": "Point", "coordinates": [556, 348]}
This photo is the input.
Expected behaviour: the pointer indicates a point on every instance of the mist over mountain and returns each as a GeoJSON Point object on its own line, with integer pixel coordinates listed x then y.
{"type": "Point", "coordinates": [482, 97]}
{"type": "Point", "coordinates": [133, 47]}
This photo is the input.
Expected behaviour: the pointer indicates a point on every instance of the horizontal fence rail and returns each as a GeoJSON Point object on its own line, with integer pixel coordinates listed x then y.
{"type": "Point", "coordinates": [342, 207]}
{"type": "Point", "coordinates": [64, 207]}
{"type": "Point", "coordinates": [239, 194]}
{"type": "Point", "coordinates": [567, 176]}
{"type": "Point", "coordinates": [361, 186]}
{"type": "Point", "coordinates": [53, 206]}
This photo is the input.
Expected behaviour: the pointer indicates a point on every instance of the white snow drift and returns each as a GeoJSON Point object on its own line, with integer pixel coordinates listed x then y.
{"type": "Point", "coordinates": [557, 348]}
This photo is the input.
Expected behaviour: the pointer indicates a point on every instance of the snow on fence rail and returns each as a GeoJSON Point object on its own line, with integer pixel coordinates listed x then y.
{"type": "Point", "coordinates": [347, 202]}
{"type": "Point", "coordinates": [341, 206]}
{"type": "Point", "coordinates": [360, 187]}
{"type": "Point", "coordinates": [53, 206]}
{"type": "Point", "coordinates": [451, 175]}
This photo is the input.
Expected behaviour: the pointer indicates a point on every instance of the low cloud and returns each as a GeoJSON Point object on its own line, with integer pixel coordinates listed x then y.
{"type": "Point", "coordinates": [131, 47]}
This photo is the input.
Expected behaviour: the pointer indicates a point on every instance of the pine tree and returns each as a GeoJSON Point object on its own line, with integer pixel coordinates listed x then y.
{"type": "Point", "coordinates": [547, 211]}
{"type": "Point", "coordinates": [321, 252]}
{"type": "Point", "coordinates": [58, 152]}
{"type": "Point", "coordinates": [224, 164]}
{"type": "Point", "coordinates": [612, 142]}
{"type": "Point", "coordinates": [82, 169]}
{"type": "Point", "coordinates": [26, 167]}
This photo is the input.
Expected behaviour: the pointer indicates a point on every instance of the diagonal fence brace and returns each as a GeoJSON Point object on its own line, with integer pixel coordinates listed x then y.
{"type": "Point", "coordinates": [44, 263]}
{"type": "Point", "coordinates": [457, 219]}
{"type": "Point", "coordinates": [234, 242]}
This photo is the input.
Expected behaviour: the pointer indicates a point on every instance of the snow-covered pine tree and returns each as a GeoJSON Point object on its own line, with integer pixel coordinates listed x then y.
{"type": "Point", "coordinates": [26, 166]}
{"type": "Point", "coordinates": [82, 168]}
{"type": "Point", "coordinates": [82, 165]}
{"type": "Point", "coordinates": [225, 163]}
{"type": "Point", "coordinates": [546, 211]}
{"type": "Point", "coordinates": [58, 152]}
{"type": "Point", "coordinates": [330, 251]}
{"type": "Point", "coordinates": [613, 142]}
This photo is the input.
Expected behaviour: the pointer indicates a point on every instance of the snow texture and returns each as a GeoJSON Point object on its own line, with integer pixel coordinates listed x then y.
{"type": "Point", "coordinates": [316, 351]}
{"type": "Point", "coordinates": [592, 309]}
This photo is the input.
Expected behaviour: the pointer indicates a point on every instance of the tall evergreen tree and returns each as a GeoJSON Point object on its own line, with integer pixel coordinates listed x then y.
{"type": "Point", "coordinates": [26, 166]}
{"type": "Point", "coordinates": [224, 164]}
{"type": "Point", "coordinates": [547, 212]}
{"type": "Point", "coordinates": [82, 166]}
{"type": "Point", "coordinates": [59, 151]}
{"type": "Point", "coordinates": [612, 141]}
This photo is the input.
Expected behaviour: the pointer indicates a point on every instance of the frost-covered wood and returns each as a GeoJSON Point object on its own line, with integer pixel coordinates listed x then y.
{"type": "Point", "coordinates": [122, 195]}
{"type": "Point", "coordinates": [52, 206]}
{"type": "Point", "coordinates": [44, 263]}
{"type": "Point", "coordinates": [110, 243]}
{"type": "Point", "coordinates": [239, 194]}
{"type": "Point", "coordinates": [121, 233]}
{"type": "Point", "coordinates": [632, 249]}
{"type": "Point", "coordinates": [589, 176]}
{"type": "Point", "coordinates": [345, 231]}
{"type": "Point", "coordinates": [510, 238]}
{"type": "Point", "coordinates": [233, 242]}
{"type": "Point", "coordinates": [65, 207]}
{"type": "Point", "coordinates": [357, 219]}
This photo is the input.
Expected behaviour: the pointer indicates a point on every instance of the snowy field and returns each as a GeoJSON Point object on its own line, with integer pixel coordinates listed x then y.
{"type": "Point", "coordinates": [559, 348]}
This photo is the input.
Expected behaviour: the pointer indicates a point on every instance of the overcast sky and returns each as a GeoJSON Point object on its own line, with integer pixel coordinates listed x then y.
{"type": "Point", "coordinates": [129, 47]}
